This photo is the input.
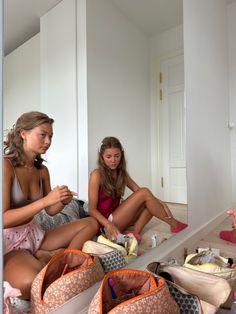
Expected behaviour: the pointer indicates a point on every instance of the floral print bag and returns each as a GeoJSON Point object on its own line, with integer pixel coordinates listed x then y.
{"type": "Point", "coordinates": [67, 274]}
{"type": "Point", "coordinates": [132, 291]}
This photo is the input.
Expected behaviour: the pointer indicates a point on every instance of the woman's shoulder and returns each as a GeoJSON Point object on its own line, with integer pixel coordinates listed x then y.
{"type": "Point", "coordinates": [95, 172]}
{"type": "Point", "coordinates": [44, 170]}
{"type": "Point", "coordinates": [7, 163]}
{"type": "Point", "coordinates": [95, 175]}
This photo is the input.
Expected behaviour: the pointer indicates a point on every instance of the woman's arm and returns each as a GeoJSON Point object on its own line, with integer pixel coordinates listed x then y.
{"type": "Point", "coordinates": [56, 198]}
{"type": "Point", "coordinates": [133, 186]}
{"type": "Point", "coordinates": [94, 184]}
{"type": "Point", "coordinates": [93, 190]}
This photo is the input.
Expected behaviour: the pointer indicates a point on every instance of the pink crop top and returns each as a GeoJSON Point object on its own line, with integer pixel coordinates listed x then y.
{"type": "Point", "coordinates": [106, 204]}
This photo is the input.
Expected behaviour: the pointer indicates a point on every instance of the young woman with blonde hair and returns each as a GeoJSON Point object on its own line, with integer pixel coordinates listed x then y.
{"type": "Point", "coordinates": [27, 191]}
{"type": "Point", "coordinates": [106, 187]}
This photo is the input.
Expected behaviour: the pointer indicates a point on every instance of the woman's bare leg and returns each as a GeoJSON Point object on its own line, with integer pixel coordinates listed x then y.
{"type": "Point", "coordinates": [44, 256]}
{"type": "Point", "coordinates": [142, 220]}
{"type": "Point", "coordinates": [20, 269]}
{"type": "Point", "coordinates": [125, 213]}
{"type": "Point", "coordinates": [71, 235]}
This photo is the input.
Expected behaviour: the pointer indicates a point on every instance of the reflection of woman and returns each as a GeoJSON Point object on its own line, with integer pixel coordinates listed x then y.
{"type": "Point", "coordinates": [27, 191]}
{"type": "Point", "coordinates": [107, 185]}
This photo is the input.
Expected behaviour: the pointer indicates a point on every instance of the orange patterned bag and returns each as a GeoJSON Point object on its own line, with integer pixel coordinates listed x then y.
{"type": "Point", "coordinates": [132, 291]}
{"type": "Point", "coordinates": [67, 274]}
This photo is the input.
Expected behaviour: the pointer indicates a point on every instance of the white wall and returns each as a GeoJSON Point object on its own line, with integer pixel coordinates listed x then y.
{"type": "Point", "coordinates": [21, 81]}
{"type": "Point", "coordinates": [232, 90]}
{"type": "Point", "coordinates": [118, 86]}
{"type": "Point", "coordinates": [206, 81]}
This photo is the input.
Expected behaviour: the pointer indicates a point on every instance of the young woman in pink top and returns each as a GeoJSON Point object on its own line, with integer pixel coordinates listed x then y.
{"type": "Point", "coordinates": [27, 191]}
{"type": "Point", "coordinates": [106, 187]}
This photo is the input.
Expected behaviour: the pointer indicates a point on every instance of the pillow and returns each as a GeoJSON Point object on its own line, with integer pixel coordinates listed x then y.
{"type": "Point", "coordinates": [73, 211]}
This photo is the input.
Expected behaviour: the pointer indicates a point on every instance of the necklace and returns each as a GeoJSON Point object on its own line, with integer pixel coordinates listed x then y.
{"type": "Point", "coordinates": [29, 167]}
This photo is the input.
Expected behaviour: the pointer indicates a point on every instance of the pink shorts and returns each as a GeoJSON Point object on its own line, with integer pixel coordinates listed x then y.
{"type": "Point", "coordinates": [26, 237]}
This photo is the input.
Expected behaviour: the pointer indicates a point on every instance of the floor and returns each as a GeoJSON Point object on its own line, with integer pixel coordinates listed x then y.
{"type": "Point", "coordinates": [160, 230]}
{"type": "Point", "coordinates": [211, 240]}
{"type": "Point", "coordinates": [227, 249]}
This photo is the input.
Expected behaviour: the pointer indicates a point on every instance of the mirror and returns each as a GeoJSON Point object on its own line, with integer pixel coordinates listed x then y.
{"type": "Point", "coordinates": [135, 91]}
{"type": "Point", "coordinates": [129, 43]}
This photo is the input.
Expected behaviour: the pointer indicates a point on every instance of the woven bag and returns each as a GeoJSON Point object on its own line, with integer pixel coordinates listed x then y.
{"type": "Point", "coordinates": [67, 274]}
{"type": "Point", "coordinates": [132, 291]}
{"type": "Point", "coordinates": [109, 257]}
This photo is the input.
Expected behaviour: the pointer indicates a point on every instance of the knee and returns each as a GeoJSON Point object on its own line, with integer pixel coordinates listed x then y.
{"type": "Point", "coordinates": [93, 223]}
{"type": "Point", "coordinates": [146, 192]}
{"type": "Point", "coordinates": [26, 283]}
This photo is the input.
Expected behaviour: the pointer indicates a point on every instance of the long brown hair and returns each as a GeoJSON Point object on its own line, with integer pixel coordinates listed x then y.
{"type": "Point", "coordinates": [110, 186]}
{"type": "Point", "coordinates": [13, 144]}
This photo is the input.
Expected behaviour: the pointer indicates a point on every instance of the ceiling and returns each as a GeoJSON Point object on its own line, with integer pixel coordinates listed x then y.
{"type": "Point", "coordinates": [21, 20]}
{"type": "Point", "coordinates": [22, 17]}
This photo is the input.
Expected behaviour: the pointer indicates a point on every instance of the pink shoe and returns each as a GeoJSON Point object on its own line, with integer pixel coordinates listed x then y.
{"type": "Point", "coordinates": [178, 228]}
{"type": "Point", "coordinates": [227, 236]}
{"type": "Point", "coordinates": [136, 234]}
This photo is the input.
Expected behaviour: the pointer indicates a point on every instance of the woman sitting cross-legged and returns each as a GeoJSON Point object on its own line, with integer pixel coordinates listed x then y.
{"type": "Point", "coordinates": [27, 191]}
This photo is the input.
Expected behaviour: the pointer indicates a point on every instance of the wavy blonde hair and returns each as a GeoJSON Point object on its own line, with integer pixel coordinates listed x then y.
{"type": "Point", "coordinates": [110, 186]}
{"type": "Point", "coordinates": [13, 144]}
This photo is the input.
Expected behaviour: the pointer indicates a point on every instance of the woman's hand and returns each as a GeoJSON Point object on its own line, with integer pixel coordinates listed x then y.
{"type": "Point", "coordinates": [112, 231]}
{"type": "Point", "coordinates": [59, 194]}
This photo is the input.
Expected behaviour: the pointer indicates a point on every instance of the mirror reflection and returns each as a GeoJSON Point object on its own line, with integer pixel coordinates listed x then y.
{"type": "Point", "coordinates": [135, 92]}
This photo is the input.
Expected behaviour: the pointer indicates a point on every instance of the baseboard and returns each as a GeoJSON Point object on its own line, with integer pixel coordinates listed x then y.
{"type": "Point", "coordinates": [79, 304]}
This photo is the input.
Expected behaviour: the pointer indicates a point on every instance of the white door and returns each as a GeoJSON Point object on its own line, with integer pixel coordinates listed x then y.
{"type": "Point", "coordinates": [173, 130]}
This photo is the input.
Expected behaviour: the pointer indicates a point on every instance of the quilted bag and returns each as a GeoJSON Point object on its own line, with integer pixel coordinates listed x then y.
{"type": "Point", "coordinates": [109, 257]}
{"type": "Point", "coordinates": [132, 291]}
{"type": "Point", "coordinates": [67, 274]}
{"type": "Point", "coordinates": [187, 302]}
{"type": "Point", "coordinates": [129, 249]}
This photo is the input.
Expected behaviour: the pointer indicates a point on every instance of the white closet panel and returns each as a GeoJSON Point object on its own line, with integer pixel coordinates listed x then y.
{"type": "Point", "coordinates": [58, 90]}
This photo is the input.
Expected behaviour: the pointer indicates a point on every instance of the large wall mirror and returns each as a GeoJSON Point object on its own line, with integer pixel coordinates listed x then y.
{"type": "Point", "coordinates": [134, 89]}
